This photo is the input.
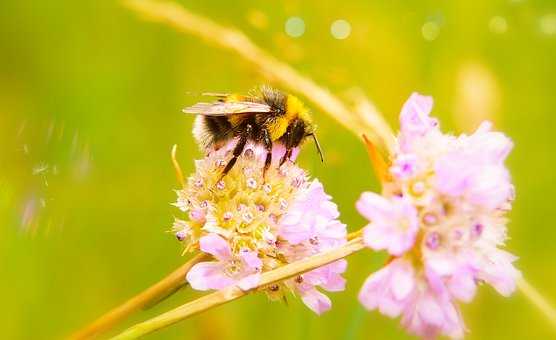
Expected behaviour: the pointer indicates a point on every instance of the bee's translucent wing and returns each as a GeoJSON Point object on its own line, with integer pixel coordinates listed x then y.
{"type": "Point", "coordinates": [215, 94]}
{"type": "Point", "coordinates": [226, 108]}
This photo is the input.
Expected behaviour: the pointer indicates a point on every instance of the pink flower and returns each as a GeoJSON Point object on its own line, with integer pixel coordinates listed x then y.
{"type": "Point", "coordinates": [394, 222]}
{"type": "Point", "coordinates": [250, 223]}
{"type": "Point", "coordinates": [243, 270]}
{"type": "Point", "coordinates": [442, 216]}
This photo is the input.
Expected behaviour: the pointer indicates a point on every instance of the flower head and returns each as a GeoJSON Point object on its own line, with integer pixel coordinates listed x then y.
{"type": "Point", "coordinates": [442, 219]}
{"type": "Point", "coordinates": [250, 223]}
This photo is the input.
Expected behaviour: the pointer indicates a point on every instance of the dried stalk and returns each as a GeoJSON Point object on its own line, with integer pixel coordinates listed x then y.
{"type": "Point", "coordinates": [232, 293]}
{"type": "Point", "coordinates": [158, 291]}
{"type": "Point", "coordinates": [281, 73]}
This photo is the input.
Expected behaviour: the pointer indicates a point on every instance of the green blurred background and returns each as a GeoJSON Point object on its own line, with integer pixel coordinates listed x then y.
{"type": "Point", "coordinates": [90, 100]}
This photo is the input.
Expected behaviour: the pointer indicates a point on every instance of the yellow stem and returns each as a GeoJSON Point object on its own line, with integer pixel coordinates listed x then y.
{"type": "Point", "coordinates": [354, 234]}
{"type": "Point", "coordinates": [538, 300]}
{"type": "Point", "coordinates": [177, 168]}
{"type": "Point", "coordinates": [183, 20]}
{"type": "Point", "coordinates": [232, 293]}
{"type": "Point", "coordinates": [166, 286]}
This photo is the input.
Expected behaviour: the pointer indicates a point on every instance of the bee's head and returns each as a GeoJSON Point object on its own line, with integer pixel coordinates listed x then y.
{"type": "Point", "coordinates": [298, 130]}
{"type": "Point", "coordinates": [301, 126]}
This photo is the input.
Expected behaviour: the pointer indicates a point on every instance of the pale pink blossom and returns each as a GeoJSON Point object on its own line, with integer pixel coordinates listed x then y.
{"type": "Point", "coordinates": [249, 224]}
{"type": "Point", "coordinates": [442, 219]}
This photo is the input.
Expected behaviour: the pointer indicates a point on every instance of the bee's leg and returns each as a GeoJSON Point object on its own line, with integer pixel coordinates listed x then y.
{"type": "Point", "coordinates": [238, 149]}
{"type": "Point", "coordinates": [287, 142]}
{"type": "Point", "coordinates": [268, 146]}
{"type": "Point", "coordinates": [286, 156]}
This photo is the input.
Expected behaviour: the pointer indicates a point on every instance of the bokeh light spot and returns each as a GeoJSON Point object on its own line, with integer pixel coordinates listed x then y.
{"type": "Point", "coordinates": [340, 29]}
{"type": "Point", "coordinates": [498, 25]}
{"type": "Point", "coordinates": [257, 19]}
{"type": "Point", "coordinates": [430, 30]}
{"type": "Point", "coordinates": [547, 24]}
{"type": "Point", "coordinates": [295, 27]}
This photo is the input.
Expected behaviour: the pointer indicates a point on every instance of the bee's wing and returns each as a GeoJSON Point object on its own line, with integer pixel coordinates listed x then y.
{"type": "Point", "coordinates": [226, 108]}
{"type": "Point", "coordinates": [215, 94]}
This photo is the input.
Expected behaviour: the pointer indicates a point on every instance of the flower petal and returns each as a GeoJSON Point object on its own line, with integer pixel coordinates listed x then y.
{"type": "Point", "coordinates": [374, 288]}
{"type": "Point", "coordinates": [208, 275]}
{"type": "Point", "coordinates": [316, 301]}
{"type": "Point", "coordinates": [249, 281]}
{"type": "Point", "coordinates": [216, 246]}
{"type": "Point", "coordinates": [251, 259]}
{"type": "Point", "coordinates": [402, 280]}
{"type": "Point", "coordinates": [373, 206]}
{"type": "Point", "coordinates": [414, 118]}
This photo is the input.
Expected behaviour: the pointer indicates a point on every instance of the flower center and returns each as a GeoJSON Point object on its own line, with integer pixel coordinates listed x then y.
{"type": "Point", "coordinates": [417, 188]}
{"type": "Point", "coordinates": [432, 240]}
{"type": "Point", "coordinates": [243, 206]}
{"type": "Point", "coordinates": [477, 230]}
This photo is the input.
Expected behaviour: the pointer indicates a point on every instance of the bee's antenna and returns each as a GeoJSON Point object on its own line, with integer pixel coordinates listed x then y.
{"type": "Point", "coordinates": [317, 144]}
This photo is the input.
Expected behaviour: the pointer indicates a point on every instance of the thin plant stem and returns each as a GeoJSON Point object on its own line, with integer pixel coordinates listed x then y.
{"type": "Point", "coordinates": [156, 292]}
{"type": "Point", "coordinates": [538, 301]}
{"type": "Point", "coordinates": [354, 234]}
{"type": "Point", "coordinates": [183, 20]}
{"type": "Point", "coordinates": [233, 292]}
{"type": "Point", "coordinates": [177, 167]}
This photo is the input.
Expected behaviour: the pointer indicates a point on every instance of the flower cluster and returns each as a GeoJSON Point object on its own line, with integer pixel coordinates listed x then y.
{"type": "Point", "coordinates": [252, 222]}
{"type": "Point", "coordinates": [441, 217]}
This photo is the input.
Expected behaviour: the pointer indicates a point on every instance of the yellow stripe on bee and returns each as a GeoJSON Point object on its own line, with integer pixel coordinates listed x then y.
{"type": "Point", "coordinates": [294, 109]}
{"type": "Point", "coordinates": [278, 128]}
{"type": "Point", "coordinates": [236, 120]}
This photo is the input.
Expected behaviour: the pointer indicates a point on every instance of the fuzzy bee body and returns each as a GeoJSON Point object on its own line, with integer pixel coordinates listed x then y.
{"type": "Point", "coordinates": [265, 116]}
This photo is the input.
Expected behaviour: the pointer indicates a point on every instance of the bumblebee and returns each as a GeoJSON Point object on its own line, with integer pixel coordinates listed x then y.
{"type": "Point", "coordinates": [264, 116]}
